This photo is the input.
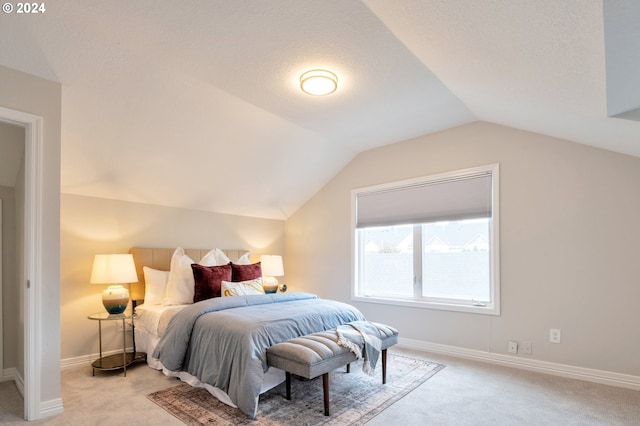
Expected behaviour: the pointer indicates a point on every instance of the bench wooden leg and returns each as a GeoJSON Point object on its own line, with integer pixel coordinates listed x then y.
{"type": "Point", "coordinates": [288, 384]}
{"type": "Point", "coordinates": [384, 366]}
{"type": "Point", "coordinates": [325, 390]}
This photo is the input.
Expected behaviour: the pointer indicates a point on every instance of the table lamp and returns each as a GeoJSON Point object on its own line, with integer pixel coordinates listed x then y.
{"type": "Point", "coordinates": [114, 269]}
{"type": "Point", "coordinates": [271, 268]}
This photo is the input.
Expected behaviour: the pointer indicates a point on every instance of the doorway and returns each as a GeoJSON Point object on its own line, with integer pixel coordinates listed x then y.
{"type": "Point", "coordinates": [29, 240]}
{"type": "Point", "coordinates": [12, 144]}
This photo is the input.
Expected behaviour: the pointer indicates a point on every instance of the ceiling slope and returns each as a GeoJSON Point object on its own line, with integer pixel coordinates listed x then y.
{"type": "Point", "coordinates": [535, 65]}
{"type": "Point", "coordinates": [197, 105]}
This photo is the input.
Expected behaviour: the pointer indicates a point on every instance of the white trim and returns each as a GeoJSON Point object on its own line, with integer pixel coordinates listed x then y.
{"type": "Point", "coordinates": [12, 374]}
{"type": "Point", "coordinates": [610, 378]}
{"type": "Point", "coordinates": [8, 374]}
{"type": "Point", "coordinates": [492, 308]}
{"type": "Point", "coordinates": [563, 370]}
{"type": "Point", "coordinates": [32, 255]}
{"type": "Point", "coordinates": [87, 359]}
{"type": "Point", "coordinates": [78, 361]}
{"type": "Point", "coordinates": [438, 306]}
{"type": "Point", "coordinates": [52, 407]}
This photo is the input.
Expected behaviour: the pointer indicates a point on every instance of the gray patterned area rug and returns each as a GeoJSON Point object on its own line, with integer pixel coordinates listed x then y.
{"type": "Point", "coordinates": [355, 397]}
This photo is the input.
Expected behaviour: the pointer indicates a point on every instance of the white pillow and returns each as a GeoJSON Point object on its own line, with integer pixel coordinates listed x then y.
{"type": "Point", "coordinates": [215, 257]}
{"type": "Point", "coordinates": [180, 285]}
{"type": "Point", "coordinates": [242, 288]}
{"type": "Point", "coordinates": [155, 283]}
{"type": "Point", "coordinates": [244, 260]}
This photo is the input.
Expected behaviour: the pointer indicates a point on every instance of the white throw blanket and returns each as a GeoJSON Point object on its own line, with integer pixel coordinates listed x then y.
{"type": "Point", "coordinates": [359, 337]}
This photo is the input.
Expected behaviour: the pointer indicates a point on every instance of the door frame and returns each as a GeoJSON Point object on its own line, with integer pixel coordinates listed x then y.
{"type": "Point", "coordinates": [31, 270]}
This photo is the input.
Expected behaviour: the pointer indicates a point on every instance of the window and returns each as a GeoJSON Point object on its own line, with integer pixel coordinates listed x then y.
{"type": "Point", "coordinates": [429, 242]}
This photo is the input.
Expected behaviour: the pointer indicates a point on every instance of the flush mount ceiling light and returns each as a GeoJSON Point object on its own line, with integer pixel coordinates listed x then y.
{"type": "Point", "coordinates": [318, 82]}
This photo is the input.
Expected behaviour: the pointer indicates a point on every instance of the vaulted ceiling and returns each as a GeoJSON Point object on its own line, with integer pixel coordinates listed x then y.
{"type": "Point", "coordinates": [197, 104]}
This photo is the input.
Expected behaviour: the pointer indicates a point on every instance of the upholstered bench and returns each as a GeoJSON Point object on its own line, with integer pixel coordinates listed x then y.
{"type": "Point", "coordinates": [319, 353]}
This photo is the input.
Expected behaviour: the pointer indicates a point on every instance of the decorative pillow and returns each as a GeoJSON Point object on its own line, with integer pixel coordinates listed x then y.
{"type": "Point", "coordinates": [155, 282]}
{"type": "Point", "coordinates": [215, 257]}
{"type": "Point", "coordinates": [245, 272]}
{"type": "Point", "coordinates": [180, 285]}
{"type": "Point", "coordinates": [242, 288]}
{"type": "Point", "coordinates": [208, 280]}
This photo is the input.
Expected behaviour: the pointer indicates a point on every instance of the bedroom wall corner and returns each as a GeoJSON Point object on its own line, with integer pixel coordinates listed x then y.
{"type": "Point", "coordinates": [568, 244]}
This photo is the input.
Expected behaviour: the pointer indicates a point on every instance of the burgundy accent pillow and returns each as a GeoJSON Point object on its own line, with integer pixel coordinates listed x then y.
{"type": "Point", "coordinates": [245, 272]}
{"type": "Point", "coordinates": [208, 280]}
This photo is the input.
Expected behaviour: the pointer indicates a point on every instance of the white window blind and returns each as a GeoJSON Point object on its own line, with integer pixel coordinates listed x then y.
{"type": "Point", "coordinates": [453, 198]}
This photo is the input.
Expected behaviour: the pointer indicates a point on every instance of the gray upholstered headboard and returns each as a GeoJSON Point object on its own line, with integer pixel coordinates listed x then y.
{"type": "Point", "coordinates": [160, 258]}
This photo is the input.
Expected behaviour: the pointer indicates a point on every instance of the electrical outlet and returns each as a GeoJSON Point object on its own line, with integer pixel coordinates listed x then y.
{"type": "Point", "coordinates": [555, 335]}
{"type": "Point", "coordinates": [526, 348]}
{"type": "Point", "coordinates": [513, 347]}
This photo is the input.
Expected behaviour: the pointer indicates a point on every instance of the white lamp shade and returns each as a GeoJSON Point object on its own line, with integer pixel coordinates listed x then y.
{"type": "Point", "coordinates": [113, 269]}
{"type": "Point", "coordinates": [271, 265]}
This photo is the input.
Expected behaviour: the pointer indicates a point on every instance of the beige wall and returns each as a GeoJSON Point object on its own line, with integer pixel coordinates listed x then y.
{"type": "Point", "coordinates": [569, 237]}
{"type": "Point", "coordinates": [92, 226]}
{"type": "Point", "coordinates": [11, 174]}
{"type": "Point", "coordinates": [12, 352]}
{"type": "Point", "coordinates": [26, 93]}
{"type": "Point", "coordinates": [11, 152]}
{"type": "Point", "coordinates": [10, 356]}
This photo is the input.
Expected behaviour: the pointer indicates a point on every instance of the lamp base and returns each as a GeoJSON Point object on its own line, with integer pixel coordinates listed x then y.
{"type": "Point", "coordinates": [115, 299]}
{"type": "Point", "coordinates": [270, 285]}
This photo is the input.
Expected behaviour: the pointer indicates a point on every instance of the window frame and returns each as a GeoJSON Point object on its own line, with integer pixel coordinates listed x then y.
{"type": "Point", "coordinates": [491, 308]}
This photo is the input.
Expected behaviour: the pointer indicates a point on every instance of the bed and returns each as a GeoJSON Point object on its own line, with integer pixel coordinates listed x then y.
{"type": "Point", "coordinates": [219, 343]}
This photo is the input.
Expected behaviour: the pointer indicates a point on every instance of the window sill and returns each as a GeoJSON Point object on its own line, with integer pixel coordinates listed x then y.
{"type": "Point", "coordinates": [483, 310]}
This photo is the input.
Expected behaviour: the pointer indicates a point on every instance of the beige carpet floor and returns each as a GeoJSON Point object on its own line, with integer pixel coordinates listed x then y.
{"type": "Point", "coordinates": [463, 393]}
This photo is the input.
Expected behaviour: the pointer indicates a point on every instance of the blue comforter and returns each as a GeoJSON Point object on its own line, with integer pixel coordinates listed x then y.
{"type": "Point", "coordinates": [222, 341]}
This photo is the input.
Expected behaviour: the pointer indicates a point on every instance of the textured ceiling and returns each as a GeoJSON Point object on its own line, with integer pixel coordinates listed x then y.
{"type": "Point", "coordinates": [196, 104]}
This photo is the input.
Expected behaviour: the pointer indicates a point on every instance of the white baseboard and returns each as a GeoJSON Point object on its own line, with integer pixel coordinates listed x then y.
{"type": "Point", "coordinates": [87, 359]}
{"type": "Point", "coordinates": [52, 407]}
{"type": "Point", "coordinates": [590, 375]}
{"type": "Point", "coordinates": [563, 370]}
{"type": "Point", "coordinates": [12, 373]}
{"type": "Point", "coordinates": [47, 408]}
